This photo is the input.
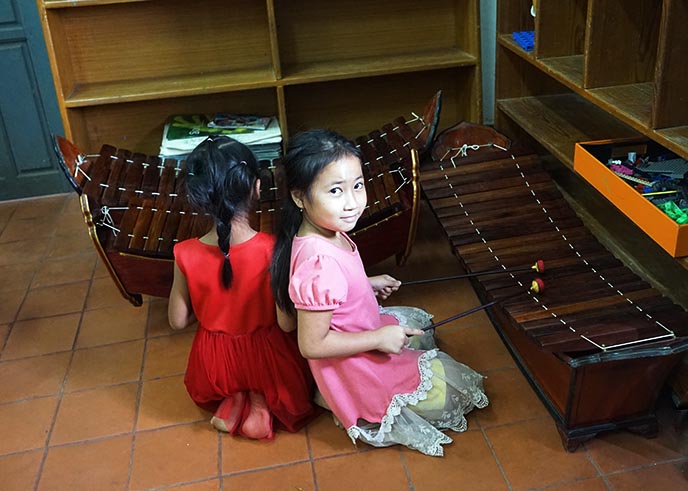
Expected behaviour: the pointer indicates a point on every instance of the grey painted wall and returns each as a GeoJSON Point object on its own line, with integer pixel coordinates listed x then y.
{"type": "Point", "coordinates": [488, 28]}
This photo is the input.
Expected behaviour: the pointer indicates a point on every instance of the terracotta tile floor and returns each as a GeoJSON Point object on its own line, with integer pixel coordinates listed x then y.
{"type": "Point", "coordinates": [91, 393]}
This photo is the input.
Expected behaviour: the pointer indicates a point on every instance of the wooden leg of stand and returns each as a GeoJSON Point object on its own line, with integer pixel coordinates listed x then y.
{"type": "Point", "coordinates": [572, 443]}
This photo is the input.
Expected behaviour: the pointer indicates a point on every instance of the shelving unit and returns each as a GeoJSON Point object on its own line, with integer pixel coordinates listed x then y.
{"type": "Point", "coordinates": [122, 67]}
{"type": "Point", "coordinates": [600, 69]}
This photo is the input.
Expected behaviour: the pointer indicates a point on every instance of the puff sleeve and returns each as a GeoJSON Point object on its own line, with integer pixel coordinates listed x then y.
{"type": "Point", "coordinates": [318, 284]}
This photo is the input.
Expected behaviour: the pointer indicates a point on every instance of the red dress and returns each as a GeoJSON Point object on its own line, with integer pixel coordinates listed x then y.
{"type": "Point", "coordinates": [239, 346]}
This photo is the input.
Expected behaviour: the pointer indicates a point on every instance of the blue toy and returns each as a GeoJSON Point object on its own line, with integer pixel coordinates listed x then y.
{"type": "Point", "coordinates": [525, 39]}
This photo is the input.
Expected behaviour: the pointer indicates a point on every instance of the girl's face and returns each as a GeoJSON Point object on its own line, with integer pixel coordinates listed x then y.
{"type": "Point", "coordinates": [337, 197]}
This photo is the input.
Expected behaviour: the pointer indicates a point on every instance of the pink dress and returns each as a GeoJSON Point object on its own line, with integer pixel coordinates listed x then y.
{"type": "Point", "coordinates": [371, 392]}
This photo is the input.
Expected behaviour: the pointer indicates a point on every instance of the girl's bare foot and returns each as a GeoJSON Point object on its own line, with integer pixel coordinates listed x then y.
{"type": "Point", "coordinates": [226, 418]}
{"type": "Point", "coordinates": [258, 423]}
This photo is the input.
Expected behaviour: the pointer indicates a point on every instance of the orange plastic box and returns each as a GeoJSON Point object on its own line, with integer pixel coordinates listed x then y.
{"type": "Point", "coordinates": [587, 162]}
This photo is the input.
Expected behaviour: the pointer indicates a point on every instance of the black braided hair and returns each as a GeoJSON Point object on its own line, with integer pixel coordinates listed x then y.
{"type": "Point", "coordinates": [307, 155]}
{"type": "Point", "coordinates": [221, 178]}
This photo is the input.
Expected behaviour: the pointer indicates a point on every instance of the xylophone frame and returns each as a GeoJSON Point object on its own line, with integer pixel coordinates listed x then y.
{"type": "Point", "coordinates": [387, 230]}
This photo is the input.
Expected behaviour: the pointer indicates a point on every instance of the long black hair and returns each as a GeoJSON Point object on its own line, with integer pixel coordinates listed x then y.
{"type": "Point", "coordinates": [307, 155]}
{"type": "Point", "coordinates": [221, 180]}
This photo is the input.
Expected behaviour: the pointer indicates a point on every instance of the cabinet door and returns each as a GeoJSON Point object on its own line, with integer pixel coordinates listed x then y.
{"type": "Point", "coordinates": [28, 107]}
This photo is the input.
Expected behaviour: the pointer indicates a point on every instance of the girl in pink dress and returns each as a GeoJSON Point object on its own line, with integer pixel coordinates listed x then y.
{"type": "Point", "coordinates": [380, 390]}
{"type": "Point", "coordinates": [244, 364]}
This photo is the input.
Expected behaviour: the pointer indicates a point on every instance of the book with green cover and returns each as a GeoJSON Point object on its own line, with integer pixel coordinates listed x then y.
{"type": "Point", "coordinates": [183, 133]}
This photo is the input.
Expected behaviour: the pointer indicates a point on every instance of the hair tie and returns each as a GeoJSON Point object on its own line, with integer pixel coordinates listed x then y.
{"type": "Point", "coordinates": [227, 255]}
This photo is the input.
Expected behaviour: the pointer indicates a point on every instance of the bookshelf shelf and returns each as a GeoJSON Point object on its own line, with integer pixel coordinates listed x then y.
{"type": "Point", "coordinates": [166, 87]}
{"type": "Point", "coordinates": [368, 66]}
{"type": "Point", "coordinates": [122, 67]}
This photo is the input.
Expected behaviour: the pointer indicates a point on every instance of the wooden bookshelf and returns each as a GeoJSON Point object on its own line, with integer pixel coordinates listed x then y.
{"type": "Point", "coordinates": [122, 67]}
{"type": "Point", "coordinates": [588, 86]}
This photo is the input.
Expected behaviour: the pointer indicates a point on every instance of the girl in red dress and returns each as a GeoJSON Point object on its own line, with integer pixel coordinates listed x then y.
{"type": "Point", "coordinates": [244, 364]}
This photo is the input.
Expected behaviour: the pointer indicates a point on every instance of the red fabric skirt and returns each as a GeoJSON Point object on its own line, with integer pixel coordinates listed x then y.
{"type": "Point", "coordinates": [266, 361]}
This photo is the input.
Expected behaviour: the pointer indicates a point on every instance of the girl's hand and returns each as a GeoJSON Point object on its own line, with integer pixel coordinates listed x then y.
{"type": "Point", "coordinates": [384, 285]}
{"type": "Point", "coordinates": [393, 338]}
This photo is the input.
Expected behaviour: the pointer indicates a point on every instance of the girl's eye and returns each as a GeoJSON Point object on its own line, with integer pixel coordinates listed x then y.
{"type": "Point", "coordinates": [335, 191]}
{"type": "Point", "coordinates": [358, 186]}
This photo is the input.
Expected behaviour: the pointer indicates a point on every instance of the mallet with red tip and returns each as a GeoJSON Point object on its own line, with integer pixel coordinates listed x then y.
{"type": "Point", "coordinates": [537, 286]}
{"type": "Point", "coordinates": [538, 267]}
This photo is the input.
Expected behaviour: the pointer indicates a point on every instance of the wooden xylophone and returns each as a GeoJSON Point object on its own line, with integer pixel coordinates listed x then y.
{"type": "Point", "coordinates": [136, 209]}
{"type": "Point", "coordinates": [599, 344]}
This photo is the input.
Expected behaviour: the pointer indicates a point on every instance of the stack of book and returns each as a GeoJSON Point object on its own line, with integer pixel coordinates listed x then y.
{"type": "Point", "coordinates": [183, 133]}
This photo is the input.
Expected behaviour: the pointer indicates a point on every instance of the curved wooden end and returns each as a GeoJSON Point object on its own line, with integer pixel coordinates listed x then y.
{"type": "Point", "coordinates": [466, 133]}
{"type": "Point", "coordinates": [135, 299]}
{"type": "Point", "coordinates": [68, 156]}
{"type": "Point", "coordinates": [431, 116]}
{"type": "Point", "coordinates": [415, 209]}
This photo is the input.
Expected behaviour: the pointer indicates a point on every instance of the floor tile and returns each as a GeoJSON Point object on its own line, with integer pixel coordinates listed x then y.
{"type": "Point", "coordinates": [467, 460]}
{"type": "Point", "coordinates": [54, 300]}
{"type": "Point", "coordinates": [7, 209]}
{"type": "Point", "coordinates": [71, 206]}
{"type": "Point", "coordinates": [621, 450]}
{"type": "Point", "coordinates": [210, 485]}
{"type": "Point", "coordinates": [41, 336]}
{"type": "Point", "coordinates": [71, 220]}
{"type": "Point", "coordinates": [165, 402]}
{"type": "Point", "coordinates": [104, 293]}
{"type": "Point", "coordinates": [19, 471]}
{"type": "Point", "coordinates": [479, 347]}
{"type": "Point", "coordinates": [595, 484]}
{"type": "Point", "coordinates": [167, 355]}
{"type": "Point", "coordinates": [101, 270]}
{"type": "Point", "coordinates": [77, 467]}
{"type": "Point", "coordinates": [660, 477]}
{"type": "Point", "coordinates": [9, 307]}
{"type": "Point", "coordinates": [326, 439]}
{"type": "Point", "coordinates": [45, 206]}
{"type": "Point", "coordinates": [105, 365]}
{"type": "Point", "coordinates": [95, 413]}
{"type": "Point", "coordinates": [70, 245]}
{"type": "Point", "coordinates": [298, 477]}
{"type": "Point", "coordinates": [25, 425]}
{"type": "Point", "coordinates": [158, 325]}
{"type": "Point", "coordinates": [23, 251]}
{"type": "Point", "coordinates": [240, 454]}
{"type": "Point", "coordinates": [38, 228]}
{"type": "Point", "coordinates": [4, 334]}
{"type": "Point", "coordinates": [173, 455]}
{"type": "Point", "coordinates": [64, 270]}
{"type": "Point", "coordinates": [112, 325]}
{"type": "Point", "coordinates": [511, 399]}
{"type": "Point", "coordinates": [380, 469]}
{"type": "Point", "coordinates": [531, 455]}
{"type": "Point", "coordinates": [17, 276]}
{"type": "Point", "coordinates": [33, 377]}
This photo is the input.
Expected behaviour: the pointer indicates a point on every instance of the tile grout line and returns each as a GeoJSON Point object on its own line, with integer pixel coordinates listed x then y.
{"type": "Point", "coordinates": [38, 264]}
{"type": "Point", "coordinates": [139, 396]}
{"type": "Point", "coordinates": [596, 466]}
{"type": "Point", "coordinates": [219, 462]}
{"type": "Point", "coordinates": [39, 473]}
{"type": "Point", "coordinates": [404, 464]}
{"type": "Point", "coordinates": [309, 446]}
{"type": "Point", "coordinates": [496, 459]}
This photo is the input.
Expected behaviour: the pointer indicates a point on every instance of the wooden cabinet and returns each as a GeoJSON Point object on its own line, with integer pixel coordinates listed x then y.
{"type": "Point", "coordinates": [121, 67]}
{"type": "Point", "coordinates": [600, 69]}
